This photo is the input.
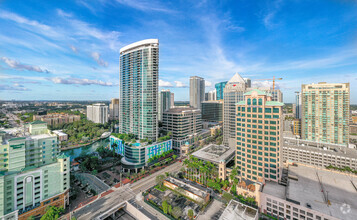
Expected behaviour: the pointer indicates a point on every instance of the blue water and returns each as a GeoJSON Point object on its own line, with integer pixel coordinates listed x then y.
{"type": "Point", "coordinates": [74, 153]}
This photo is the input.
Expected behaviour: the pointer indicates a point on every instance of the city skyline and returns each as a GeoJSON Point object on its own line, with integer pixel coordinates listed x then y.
{"type": "Point", "coordinates": [70, 50]}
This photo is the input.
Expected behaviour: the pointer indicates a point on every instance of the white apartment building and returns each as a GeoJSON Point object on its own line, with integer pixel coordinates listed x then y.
{"type": "Point", "coordinates": [97, 113]}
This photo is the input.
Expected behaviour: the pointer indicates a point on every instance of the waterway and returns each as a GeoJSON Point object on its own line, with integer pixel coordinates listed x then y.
{"type": "Point", "coordinates": [76, 152]}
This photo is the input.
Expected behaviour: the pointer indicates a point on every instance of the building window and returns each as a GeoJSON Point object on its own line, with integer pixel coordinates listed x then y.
{"type": "Point", "coordinates": [249, 102]}
{"type": "Point", "coordinates": [254, 101]}
{"type": "Point", "coordinates": [260, 102]}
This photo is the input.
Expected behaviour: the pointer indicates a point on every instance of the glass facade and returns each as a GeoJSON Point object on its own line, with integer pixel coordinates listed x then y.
{"type": "Point", "coordinates": [220, 90]}
{"type": "Point", "coordinates": [139, 64]}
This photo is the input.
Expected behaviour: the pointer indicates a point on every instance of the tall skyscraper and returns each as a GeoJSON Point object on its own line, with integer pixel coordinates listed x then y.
{"type": "Point", "coordinates": [164, 102]}
{"type": "Point", "coordinates": [172, 100]}
{"type": "Point", "coordinates": [298, 105]}
{"type": "Point", "coordinates": [233, 93]}
{"type": "Point", "coordinates": [33, 174]}
{"type": "Point", "coordinates": [219, 89]}
{"type": "Point", "coordinates": [326, 112]}
{"type": "Point", "coordinates": [197, 91]}
{"type": "Point", "coordinates": [139, 75]}
{"type": "Point", "coordinates": [114, 109]}
{"type": "Point", "coordinates": [97, 113]}
{"type": "Point", "coordinates": [259, 137]}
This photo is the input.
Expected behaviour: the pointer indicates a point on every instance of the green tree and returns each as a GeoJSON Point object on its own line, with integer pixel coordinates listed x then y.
{"type": "Point", "coordinates": [165, 206]}
{"type": "Point", "coordinates": [176, 212]}
{"type": "Point", "coordinates": [174, 157]}
{"type": "Point", "coordinates": [160, 180]}
{"type": "Point", "coordinates": [31, 218]}
{"type": "Point", "coordinates": [227, 197]}
{"type": "Point", "coordinates": [52, 213]}
{"type": "Point", "coordinates": [190, 214]}
{"type": "Point", "coordinates": [170, 210]}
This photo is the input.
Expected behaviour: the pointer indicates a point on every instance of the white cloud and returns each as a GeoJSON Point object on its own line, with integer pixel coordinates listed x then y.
{"type": "Point", "coordinates": [163, 83]}
{"type": "Point", "coordinates": [180, 84]}
{"type": "Point", "coordinates": [270, 15]}
{"type": "Point", "coordinates": [96, 57]}
{"type": "Point", "coordinates": [208, 83]}
{"type": "Point", "coordinates": [15, 87]}
{"type": "Point", "coordinates": [22, 20]}
{"type": "Point", "coordinates": [77, 81]}
{"type": "Point", "coordinates": [19, 66]}
{"type": "Point", "coordinates": [74, 49]}
{"type": "Point", "coordinates": [265, 84]}
{"type": "Point", "coordinates": [145, 5]}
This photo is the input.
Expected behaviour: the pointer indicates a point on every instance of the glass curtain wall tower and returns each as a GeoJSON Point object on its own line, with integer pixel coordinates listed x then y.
{"type": "Point", "coordinates": [139, 74]}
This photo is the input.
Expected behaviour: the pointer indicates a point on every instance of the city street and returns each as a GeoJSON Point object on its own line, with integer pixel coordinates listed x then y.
{"type": "Point", "coordinates": [98, 185]}
{"type": "Point", "coordinates": [124, 193]}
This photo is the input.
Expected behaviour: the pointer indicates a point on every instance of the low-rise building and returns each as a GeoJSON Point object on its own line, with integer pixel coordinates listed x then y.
{"type": "Point", "coordinates": [137, 155]}
{"type": "Point", "coordinates": [188, 190]}
{"type": "Point", "coordinates": [311, 193]}
{"type": "Point", "coordinates": [239, 211]}
{"type": "Point", "coordinates": [318, 154]}
{"type": "Point", "coordinates": [61, 135]}
{"type": "Point", "coordinates": [53, 119]}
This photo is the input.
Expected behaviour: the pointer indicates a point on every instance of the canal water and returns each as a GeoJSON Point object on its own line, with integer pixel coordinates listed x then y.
{"type": "Point", "coordinates": [76, 152]}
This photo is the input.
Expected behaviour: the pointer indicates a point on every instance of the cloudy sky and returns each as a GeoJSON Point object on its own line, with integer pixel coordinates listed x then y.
{"type": "Point", "coordinates": [69, 49]}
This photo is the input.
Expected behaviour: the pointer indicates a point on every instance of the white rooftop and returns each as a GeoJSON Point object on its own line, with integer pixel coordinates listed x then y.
{"type": "Point", "coordinates": [236, 79]}
{"type": "Point", "coordinates": [139, 43]}
{"type": "Point", "coordinates": [239, 211]}
{"type": "Point", "coordinates": [316, 186]}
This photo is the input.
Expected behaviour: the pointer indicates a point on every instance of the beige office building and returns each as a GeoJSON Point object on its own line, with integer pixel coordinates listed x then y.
{"type": "Point", "coordinates": [325, 112]}
{"type": "Point", "coordinates": [259, 132]}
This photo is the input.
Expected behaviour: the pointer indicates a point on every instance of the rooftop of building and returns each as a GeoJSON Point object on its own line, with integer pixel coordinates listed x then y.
{"type": "Point", "coordinates": [318, 188]}
{"type": "Point", "coordinates": [239, 211]}
{"type": "Point", "coordinates": [195, 190]}
{"type": "Point", "coordinates": [59, 133]}
{"type": "Point", "coordinates": [182, 110]}
{"type": "Point", "coordinates": [37, 122]}
{"type": "Point", "coordinates": [40, 136]}
{"type": "Point", "coordinates": [338, 149]}
{"type": "Point", "coordinates": [214, 101]}
{"type": "Point", "coordinates": [215, 153]}
{"type": "Point", "coordinates": [138, 44]}
{"type": "Point", "coordinates": [236, 79]}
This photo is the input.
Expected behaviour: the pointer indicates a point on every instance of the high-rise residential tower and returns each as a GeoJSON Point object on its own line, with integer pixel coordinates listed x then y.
{"type": "Point", "coordinates": [98, 113]}
{"type": "Point", "coordinates": [259, 137]}
{"type": "Point", "coordinates": [164, 102]}
{"type": "Point", "coordinates": [139, 76]}
{"type": "Point", "coordinates": [219, 90]}
{"type": "Point", "coordinates": [114, 109]}
{"type": "Point", "coordinates": [298, 105]}
{"type": "Point", "coordinates": [197, 91]}
{"type": "Point", "coordinates": [233, 93]}
{"type": "Point", "coordinates": [326, 112]}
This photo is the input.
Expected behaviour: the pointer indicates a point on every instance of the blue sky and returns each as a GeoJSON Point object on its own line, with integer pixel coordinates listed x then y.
{"type": "Point", "coordinates": [69, 49]}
